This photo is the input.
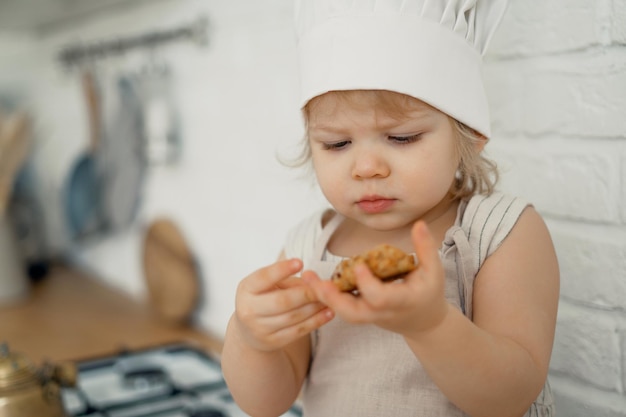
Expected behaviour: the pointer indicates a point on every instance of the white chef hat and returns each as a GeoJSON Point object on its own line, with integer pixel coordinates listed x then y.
{"type": "Point", "coordinates": [429, 49]}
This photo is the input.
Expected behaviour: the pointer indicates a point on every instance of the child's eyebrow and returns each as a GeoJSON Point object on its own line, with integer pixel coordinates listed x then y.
{"type": "Point", "coordinates": [326, 128]}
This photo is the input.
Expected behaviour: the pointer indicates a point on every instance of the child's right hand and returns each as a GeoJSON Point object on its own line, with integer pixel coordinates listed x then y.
{"type": "Point", "coordinates": [273, 308]}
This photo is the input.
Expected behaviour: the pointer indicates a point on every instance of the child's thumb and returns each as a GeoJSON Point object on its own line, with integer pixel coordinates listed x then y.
{"type": "Point", "coordinates": [425, 246]}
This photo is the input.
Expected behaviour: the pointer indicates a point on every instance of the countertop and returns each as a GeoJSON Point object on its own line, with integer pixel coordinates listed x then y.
{"type": "Point", "coordinates": [70, 315]}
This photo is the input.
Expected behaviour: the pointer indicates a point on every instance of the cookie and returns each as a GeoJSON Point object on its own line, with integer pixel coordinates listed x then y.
{"type": "Point", "coordinates": [385, 261]}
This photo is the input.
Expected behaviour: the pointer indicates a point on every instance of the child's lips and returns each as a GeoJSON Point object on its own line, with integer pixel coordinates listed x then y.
{"type": "Point", "coordinates": [375, 204]}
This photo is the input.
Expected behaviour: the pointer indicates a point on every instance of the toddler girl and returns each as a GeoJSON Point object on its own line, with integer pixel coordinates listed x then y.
{"type": "Point", "coordinates": [396, 120]}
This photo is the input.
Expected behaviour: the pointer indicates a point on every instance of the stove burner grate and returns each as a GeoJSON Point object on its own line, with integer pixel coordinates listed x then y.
{"type": "Point", "coordinates": [167, 381]}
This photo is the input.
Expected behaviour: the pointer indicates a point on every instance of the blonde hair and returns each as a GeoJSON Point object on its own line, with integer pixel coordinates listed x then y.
{"type": "Point", "coordinates": [476, 174]}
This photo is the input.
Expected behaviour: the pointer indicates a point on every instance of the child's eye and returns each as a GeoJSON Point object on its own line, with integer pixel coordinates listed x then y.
{"type": "Point", "coordinates": [336, 145]}
{"type": "Point", "coordinates": [404, 140]}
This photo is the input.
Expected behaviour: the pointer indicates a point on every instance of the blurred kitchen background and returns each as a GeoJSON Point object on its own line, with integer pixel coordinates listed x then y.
{"type": "Point", "coordinates": [194, 101]}
{"type": "Point", "coordinates": [145, 137]}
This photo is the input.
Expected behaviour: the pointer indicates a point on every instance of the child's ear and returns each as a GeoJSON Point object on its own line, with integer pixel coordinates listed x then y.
{"type": "Point", "coordinates": [481, 141]}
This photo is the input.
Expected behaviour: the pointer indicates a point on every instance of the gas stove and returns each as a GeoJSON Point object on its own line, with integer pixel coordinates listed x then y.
{"type": "Point", "coordinates": [167, 381]}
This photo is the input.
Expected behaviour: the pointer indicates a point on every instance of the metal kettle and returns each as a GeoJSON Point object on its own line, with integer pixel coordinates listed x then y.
{"type": "Point", "coordinates": [27, 391]}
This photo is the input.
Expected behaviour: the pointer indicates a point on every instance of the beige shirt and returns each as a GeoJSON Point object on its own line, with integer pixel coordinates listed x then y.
{"type": "Point", "coordinates": [363, 370]}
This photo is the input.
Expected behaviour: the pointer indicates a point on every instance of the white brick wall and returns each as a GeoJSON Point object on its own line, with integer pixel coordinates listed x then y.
{"type": "Point", "coordinates": [556, 78]}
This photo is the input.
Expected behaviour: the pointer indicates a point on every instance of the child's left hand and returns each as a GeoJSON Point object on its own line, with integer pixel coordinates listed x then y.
{"type": "Point", "coordinates": [411, 306]}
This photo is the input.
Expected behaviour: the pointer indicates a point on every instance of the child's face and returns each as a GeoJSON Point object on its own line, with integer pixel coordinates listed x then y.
{"type": "Point", "coordinates": [383, 171]}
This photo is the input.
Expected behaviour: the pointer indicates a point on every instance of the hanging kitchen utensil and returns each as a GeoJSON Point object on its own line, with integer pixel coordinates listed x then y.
{"type": "Point", "coordinates": [163, 143]}
{"type": "Point", "coordinates": [171, 272]}
{"type": "Point", "coordinates": [83, 188]}
{"type": "Point", "coordinates": [14, 148]}
{"type": "Point", "coordinates": [124, 164]}
{"type": "Point", "coordinates": [28, 216]}
{"type": "Point", "coordinates": [14, 284]}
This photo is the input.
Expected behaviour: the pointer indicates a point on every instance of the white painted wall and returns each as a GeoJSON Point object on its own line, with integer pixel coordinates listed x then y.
{"type": "Point", "coordinates": [556, 77]}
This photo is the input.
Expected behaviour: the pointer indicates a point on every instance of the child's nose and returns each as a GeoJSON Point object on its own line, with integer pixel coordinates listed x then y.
{"type": "Point", "coordinates": [370, 163]}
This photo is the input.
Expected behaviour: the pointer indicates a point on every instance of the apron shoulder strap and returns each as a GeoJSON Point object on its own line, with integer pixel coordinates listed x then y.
{"type": "Point", "coordinates": [319, 250]}
{"type": "Point", "coordinates": [486, 222]}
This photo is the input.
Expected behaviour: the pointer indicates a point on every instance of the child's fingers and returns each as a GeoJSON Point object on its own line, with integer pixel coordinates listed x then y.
{"type": "Point", "coordinates": [285, 335]}
{"type": "Point", "coordinates": [273, 332]}
{"type": "Point", "coordinates": [267, 278]}
{"type": "Point", "coordinates": [377, 294]}
{"type": "Point", "coordinates": [425, 247]}
{"type": "Point", "coordinates": [291, 318]}
{"type": "Point", "coordinates": [282, 301]}
{"type": "Point", "coordinates": [346, 305]}
{"type": "Point", "coordinates": [290, 282]}
{"type": "Point", "coordinates": [313, 281]}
